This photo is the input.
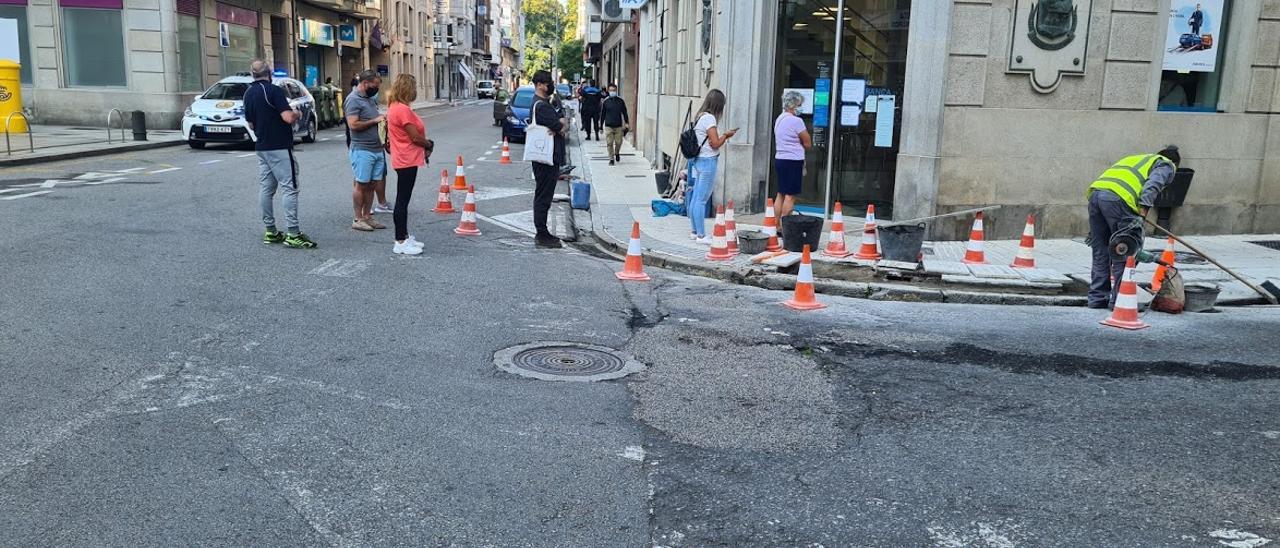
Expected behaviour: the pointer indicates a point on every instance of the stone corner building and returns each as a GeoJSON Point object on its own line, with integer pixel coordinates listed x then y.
{"type": "Point", "coordinates": [1018, 103]}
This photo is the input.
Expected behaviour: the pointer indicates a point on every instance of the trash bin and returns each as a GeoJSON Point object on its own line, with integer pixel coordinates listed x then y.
{"type": "Point", "coordinates": [139, 125]}
{"type": "Point", "coordinates": [1176, 192]}
{"type": "Point", "coordinates": [800, 230]}
{"type": "Point", "coordinates": [901, 242]}
{"type": "Point", "coordinates": [581, 195]}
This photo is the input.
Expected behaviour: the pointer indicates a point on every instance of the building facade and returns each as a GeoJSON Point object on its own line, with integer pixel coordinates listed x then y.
{"type": "Point", "coordinates": [412, 23]}
{"type": "Point", "coordinates": [928, 108]}
{"type": "Point", "coordinates": [83, 58]}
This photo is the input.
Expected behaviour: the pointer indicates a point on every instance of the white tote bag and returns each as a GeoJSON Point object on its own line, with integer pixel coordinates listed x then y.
{"type": "Point", "coordinates": [539, 142]}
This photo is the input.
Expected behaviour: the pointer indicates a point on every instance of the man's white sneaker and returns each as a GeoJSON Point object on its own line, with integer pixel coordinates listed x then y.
{"type": "Point", "coordinates": [382, 208]}
{"type": "Point", "coordinates": [406, 248]}
{"type": "Point", "coordinates": [706, 240]}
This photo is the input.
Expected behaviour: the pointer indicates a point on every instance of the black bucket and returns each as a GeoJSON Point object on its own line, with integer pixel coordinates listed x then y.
{"type": "Point", "coordinates": [751, 242]}
{"type": "Point", "coordinates": [798, 230]}
{"type": "Point", "coordinates": [901, 242]}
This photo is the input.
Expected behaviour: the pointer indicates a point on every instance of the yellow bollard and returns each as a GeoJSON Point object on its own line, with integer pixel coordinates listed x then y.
{"type": "Point", "coordinates": [11, 97]}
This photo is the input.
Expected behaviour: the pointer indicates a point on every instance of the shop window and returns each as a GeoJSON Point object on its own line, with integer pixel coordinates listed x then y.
{"type": "Point", "coordinates": [243, 48]}
{"type": "Point", "coordinates": [93, 47]}
{"type": "Point", "coordinates": [24, 48]}
{"type": "Point", "coordinates": [1191, 88]}
{"type": "Point", "coordinates": [190, 59]}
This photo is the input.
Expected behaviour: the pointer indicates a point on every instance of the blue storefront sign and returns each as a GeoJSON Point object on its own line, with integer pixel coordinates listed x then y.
{"type": "Point", "coordinates": [347, 33]}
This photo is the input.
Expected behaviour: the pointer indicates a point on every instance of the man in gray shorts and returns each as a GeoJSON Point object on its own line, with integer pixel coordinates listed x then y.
{"type": "Point", "coordinates": [271, 118]}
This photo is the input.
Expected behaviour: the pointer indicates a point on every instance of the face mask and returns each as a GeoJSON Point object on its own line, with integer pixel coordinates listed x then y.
{"type": "Point", "coordinates": [613, 94]}
{"type": "Point", "coordinates": [371, 92]}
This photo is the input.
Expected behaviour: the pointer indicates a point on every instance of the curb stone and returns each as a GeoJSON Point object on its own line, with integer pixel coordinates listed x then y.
{"type": "Point", "coordinates": [70, 155]}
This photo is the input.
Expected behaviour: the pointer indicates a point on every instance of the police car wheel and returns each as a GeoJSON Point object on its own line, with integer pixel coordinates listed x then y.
{"type": "Point", "coordinates": [196, 144]}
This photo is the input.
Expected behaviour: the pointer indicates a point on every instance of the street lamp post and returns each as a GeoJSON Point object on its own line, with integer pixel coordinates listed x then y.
{"type": "Point", "coordinates": [553, 61]}
{"type": "Point", "coordinates": [448, 64]}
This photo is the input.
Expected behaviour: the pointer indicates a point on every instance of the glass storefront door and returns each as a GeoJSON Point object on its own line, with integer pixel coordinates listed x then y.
{"type": "Point", "coordinates": [847, 163]}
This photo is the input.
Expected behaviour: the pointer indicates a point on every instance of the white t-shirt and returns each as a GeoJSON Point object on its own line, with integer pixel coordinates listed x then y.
{"type": "Point", "coordinates": [705, 123]}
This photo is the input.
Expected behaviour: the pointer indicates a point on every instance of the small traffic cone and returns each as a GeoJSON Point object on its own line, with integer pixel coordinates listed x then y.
{"type": "Point", "coordinates": [870, 248]}
{"type": "Point", "coordinates": [719, 247]}
{"type": "Point", "coordinates": [633, 269]}
{"type": "Point", "coordinates": [730, 230]}
{"type": "Point", "coordinates": [1026, 249]}
{"type": "Point", "coordinates": [460, 177]}
{"type": "Point", "coordinates": [973, 253]}
{"type": "Point", "coordinates": [1125, 314]}
{"type": "Point", "coordinates": [1169, 257]}
{"type": "Point", "coordinates": [443, 203]}
{"type": "Point", "coordinates": [804, 298]}
{"type": "Point", "coordinates": [506, 152]}
{"type": "Point", "coordinates": [835, 244]}
{"type": "Point", "coordinates": [467, 225]}
{"type": "Point", "coordinates": [771, 226]}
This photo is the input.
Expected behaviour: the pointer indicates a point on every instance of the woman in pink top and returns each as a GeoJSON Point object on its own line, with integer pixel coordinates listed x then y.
{"type": "Point", "coordinates": [410, 148]}
{"type": "Point", "coordinates": [791, 138]}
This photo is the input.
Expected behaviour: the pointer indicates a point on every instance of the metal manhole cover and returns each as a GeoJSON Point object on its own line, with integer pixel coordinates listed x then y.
{"type": "Point", "coordinates": [566, 361]}
{"type": "Point", "coordinates": [1269, 244]}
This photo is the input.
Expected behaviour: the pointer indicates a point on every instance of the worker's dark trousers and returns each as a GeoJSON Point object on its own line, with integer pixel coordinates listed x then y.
{"type": "Point", "coordinates": [1107, 212]}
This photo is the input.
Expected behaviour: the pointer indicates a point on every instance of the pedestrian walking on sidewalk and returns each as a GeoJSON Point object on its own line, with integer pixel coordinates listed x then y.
{"type": "Point", "coordinates": [1118, 201]}
{"type": "Point", "coordinates": [614, 113]}
{"type": "Point", "coordinates": [702, 170]}
{"type": "Point", "coordinates": [791, 138]}
{"type": "Point", "coordinates": [547, 115]}
{"type": "Point", "coordinates": [589, 99]}
{"type": "Point", "coordinates": [410, 150]}
{"type": "Point", "coordinates": [367, 154]}
{"type": "Point", "coordinates": [271, 118]}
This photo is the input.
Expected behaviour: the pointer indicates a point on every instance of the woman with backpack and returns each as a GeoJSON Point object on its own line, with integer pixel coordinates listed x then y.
{"type": "Point", "coordinates": [702, 168]}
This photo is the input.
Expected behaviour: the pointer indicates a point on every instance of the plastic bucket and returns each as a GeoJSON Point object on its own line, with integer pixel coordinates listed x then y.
{"type": "Point", "coordinates": [581, 195]}
{"type": "Point", "coordinates": [901, 242]}
{"type": "Point", "coordinates": [799, 230]}
{"type": "Point", "coordinates": [1201, 297]}
{"type": "Point", "coordinates": [751, 242]}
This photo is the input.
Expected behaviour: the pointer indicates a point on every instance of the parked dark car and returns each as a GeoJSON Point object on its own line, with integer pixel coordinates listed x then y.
{"type": "Point", "coordinates": [517, 114]}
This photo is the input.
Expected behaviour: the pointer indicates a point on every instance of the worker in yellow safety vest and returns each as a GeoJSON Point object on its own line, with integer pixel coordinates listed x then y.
{"type": "Point", "coordinates": [1122, 194]}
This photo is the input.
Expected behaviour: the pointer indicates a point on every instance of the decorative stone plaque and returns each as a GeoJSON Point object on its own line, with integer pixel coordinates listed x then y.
{"type": "Point", "coordinates": [1050, 39]}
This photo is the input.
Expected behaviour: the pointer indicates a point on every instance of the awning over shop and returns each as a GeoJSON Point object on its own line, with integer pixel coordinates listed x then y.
{"type": "Point", "coordinates": [466, 72]}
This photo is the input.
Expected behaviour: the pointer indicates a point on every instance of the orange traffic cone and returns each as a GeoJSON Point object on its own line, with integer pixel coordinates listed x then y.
{"type": "Point", "coordinates": [506, 152]}
{"type": "Point", "coordinates": [804, 298]}
{"type": "Point", "coordinates": [1125, 314]}
{"type": "Point", "coordinates": [443, 203]}
{"type": "Point", "coordinates": [1168, 256]}
{"type": "Point", "coordinates": [467, 225]}
{"type": "Point", "coordinates": [870, 248]}
{"type": "Point", "coordinates": [719, 247]}
{"type": "Point", "coordinates": [973, 253]}
{"type": "Point", "coordinates": [835, 244]}
{"type": "Point", "coordinates": [771, 226]}
{"type": "Point", "coordinates": [633, 269]}
{"type": "Point", "coordinates": [460, 177]}
{"type": "Point", "coordinates": [730, 230]}
{"type": "Point", "coordinates": [1026, 249]}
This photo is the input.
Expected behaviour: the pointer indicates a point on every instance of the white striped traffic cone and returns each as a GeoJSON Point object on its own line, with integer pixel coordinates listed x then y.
{"type": "Point", "coordinates": [633, 269]}
{"type": "Point", "coordinates": [467, 225]}
{"type": "Point", "coordinates": [870, 248]}
{"type": "Point", "coordinates": [1026, 248]}
{"type": "Point", "coordinates": [1125, 314]}
{"type": "Point", "coordinates": [973, 253]}
{"type": "Point", "coordinates": [804, 298]}
{"type": "Point", "coordinates": [460, 176]}
{"type": "Point", "coordinates": [730, 230]}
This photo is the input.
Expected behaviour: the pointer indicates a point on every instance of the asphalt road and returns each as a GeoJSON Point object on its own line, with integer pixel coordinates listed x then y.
{"type": "Point", "coordinates": [169, 380]}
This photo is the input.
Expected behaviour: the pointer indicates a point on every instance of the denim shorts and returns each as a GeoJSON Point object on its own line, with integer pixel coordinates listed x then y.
{"type": "Point", "coordinates": [368, 165]}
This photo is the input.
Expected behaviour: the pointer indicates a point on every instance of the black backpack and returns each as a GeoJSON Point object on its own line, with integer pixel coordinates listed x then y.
{"type": "Point", "coordinates": [689, 146]}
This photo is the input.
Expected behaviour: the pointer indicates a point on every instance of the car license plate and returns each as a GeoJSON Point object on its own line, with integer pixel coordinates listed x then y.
{"type": "Point", "coordinates": [217, 129]}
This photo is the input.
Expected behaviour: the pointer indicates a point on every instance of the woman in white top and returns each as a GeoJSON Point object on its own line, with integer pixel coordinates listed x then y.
{"type": "Point", "coordinates": [702, 170]}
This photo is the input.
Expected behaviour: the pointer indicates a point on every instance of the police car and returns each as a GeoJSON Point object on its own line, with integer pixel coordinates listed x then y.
{"type": "Point", "coordinates": [217, 115]}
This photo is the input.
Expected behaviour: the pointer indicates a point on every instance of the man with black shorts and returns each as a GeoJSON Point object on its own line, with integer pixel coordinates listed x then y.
{"type": "Point", "coordinates": [271, 119]}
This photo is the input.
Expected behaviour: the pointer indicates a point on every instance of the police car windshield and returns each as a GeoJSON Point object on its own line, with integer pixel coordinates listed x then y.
{"type": "Point", "coordinates": [524, 99]}
{"type": "Point", "coordinates": [227, 91]}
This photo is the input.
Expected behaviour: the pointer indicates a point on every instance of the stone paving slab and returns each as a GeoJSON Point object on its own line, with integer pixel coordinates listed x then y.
{"type": "Point", "coordinates": [994, 271]}
{"type": "Point", "coordinates": [998, 282]}
{"type": "Point", "coordinates": [940, 266]}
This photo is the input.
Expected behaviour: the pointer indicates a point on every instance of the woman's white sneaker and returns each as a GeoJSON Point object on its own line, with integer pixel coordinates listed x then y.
{"type": "Point", "coordinates": [406, 248]}
{"type": "Point", "coordinates": [414, 241]}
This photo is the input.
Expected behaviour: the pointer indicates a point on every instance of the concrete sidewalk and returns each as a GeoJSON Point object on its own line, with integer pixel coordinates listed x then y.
{"type": "Point", "coordinates": [53, 143]}
{"type": "Point", "coordinates": [622, 194]}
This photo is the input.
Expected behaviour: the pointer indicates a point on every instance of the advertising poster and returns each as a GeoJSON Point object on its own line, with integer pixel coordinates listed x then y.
{"type": "Point", "coordinates": [1193, 36]}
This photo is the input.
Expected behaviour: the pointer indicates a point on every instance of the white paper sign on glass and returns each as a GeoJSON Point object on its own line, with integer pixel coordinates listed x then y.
{"type": "Point", "coordinates": [853, 90]}
{"type": "Point", "coordinates": [850, 115]}
{"type": "Point", "coordinates": [1194, 36]}
{"type": "Point", "coordinates": [807, 93]}
{"type": "Point", "coordinates": [9, 41]}
{"type": "Point", "coordinates": [871, 103]}
{"type": "Point", "coordinates": [886, 107]}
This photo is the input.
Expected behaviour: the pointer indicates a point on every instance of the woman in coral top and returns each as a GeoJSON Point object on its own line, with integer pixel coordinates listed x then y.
{"type": "Point", "coordinates": [410, 149]}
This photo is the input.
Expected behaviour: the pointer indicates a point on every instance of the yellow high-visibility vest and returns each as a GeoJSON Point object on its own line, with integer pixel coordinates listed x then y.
{"type": "Point", "coordinates": [1127, 177]}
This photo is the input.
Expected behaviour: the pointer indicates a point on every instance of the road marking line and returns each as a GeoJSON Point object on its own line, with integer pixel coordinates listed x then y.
{"type": "Point", "coordinates": [104, 181]}
{"type": "Point", "coordinates": [472, 166]}
{"type": "Point", "coordinates": [165, 170]}
{"type": "Point", "coordinates": [494, 147]}
{"type": "Point", "coordinates": [207, 162]}
{"type": "Point", "coordinates": [130, 170]}
{"type": "Point", "coordinates": [326, 138]}
{"type": "Point", "coordinates": [505, 225]}
{"type": "Point", "coordinates": [247, 155]}
{"type": "Point", "coordinates": [27, 195]}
